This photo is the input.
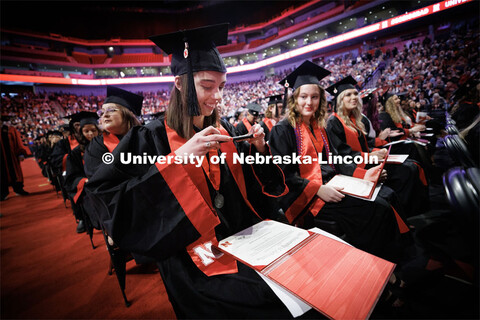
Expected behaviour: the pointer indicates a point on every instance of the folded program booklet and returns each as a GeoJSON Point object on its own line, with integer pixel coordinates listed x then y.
{"type": "Point", "coordinates": [336, 279]}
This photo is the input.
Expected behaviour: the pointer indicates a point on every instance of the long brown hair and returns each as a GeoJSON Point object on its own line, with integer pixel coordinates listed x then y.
{"type": "Point", "coordinates": [356, 113]}
{"type": "Point", "coordinates": [177, 114]}
{"type": "Point", "coordinates": [294, 116]}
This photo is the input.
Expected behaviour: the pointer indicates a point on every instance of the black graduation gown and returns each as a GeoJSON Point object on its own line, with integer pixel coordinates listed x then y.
{"type": "Point", "coordinates": [370, 226]}
{"type": "Point", "coordinates": [93, 155]}
{"type": "Point", "coordinates": [412, 149]}
{"type": "Point", "coordinates": [75, 171]}
{"type": "Point", "coordinates": [145, 216]}
{"type": "Point", "coordinates": [241, 128]}
{"type": "Point", "coordinates": [60, 149]}
{"type": "Point", "coordinates": [266, 130]}
{"type": "Point", "coordinates": [403, 178]}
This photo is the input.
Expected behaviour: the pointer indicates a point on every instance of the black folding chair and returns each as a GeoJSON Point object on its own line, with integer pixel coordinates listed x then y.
{"type": "Point", "coordinates": [458, 151]}
{"type": "Point", "coordinates": [97, 209]}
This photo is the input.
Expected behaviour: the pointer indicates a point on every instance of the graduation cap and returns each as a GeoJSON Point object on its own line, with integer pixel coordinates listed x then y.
{"type": "Point", "coordinates": [254, 109]}
{"type": "Point", "coordinates": [127, 99]}
{"type": "Point", "coordinates": [307, 73]}
{"type": "Point", "coordinates": [88, 118]}
{"type": "Point", "coordinates": [194, 50]}
{"type": "Point", "coordinates": [367, 94]}
{"type": "Point", "coordinates": [275, 99]}
{"type": "Point", "coordinates": [53, 133]}
{"type": "Point", "coordinates": [387, 95]}
{"type": "Point", "coordinates": [65, 127]}
{"type": "Point", "coordinates": [340, 86]}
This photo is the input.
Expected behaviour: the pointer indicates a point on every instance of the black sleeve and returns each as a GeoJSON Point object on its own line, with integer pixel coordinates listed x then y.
{"type": "Point", "coordinates": [387, 122]}
{"type": "Point", "coordinates": [75, 171]}
{"type": "Point", "coordinates": [337, 138]}
{"type": "Point", "coordinates": [136, 205]}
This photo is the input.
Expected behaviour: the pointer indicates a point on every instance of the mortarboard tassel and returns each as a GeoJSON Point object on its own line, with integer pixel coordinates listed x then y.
{"type": "Point", "coordinates": [285, 97]}
{"type": "Point", "coordinates": [192, 100]}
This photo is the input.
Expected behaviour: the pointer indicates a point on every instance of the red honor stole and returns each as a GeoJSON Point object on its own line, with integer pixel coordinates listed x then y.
{"type": "Point", "coordinates": [247, 124]}
{"type": "Point", "coordinates": [352, 136]}
{"type": "Point", "coordinates": [312, 146]}
{"type": "Point", "coordinates": [73, 142]}
{"type": "Point", "coordinates": [110, 141]}
{"type": "Point", "coordinates": [269, 123]}
{"type": "Point", "coordinates": [197, 204]}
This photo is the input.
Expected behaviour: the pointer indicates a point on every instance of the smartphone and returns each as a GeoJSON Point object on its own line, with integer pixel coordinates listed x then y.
{"type": "Point", "coordinates": [243, 137]}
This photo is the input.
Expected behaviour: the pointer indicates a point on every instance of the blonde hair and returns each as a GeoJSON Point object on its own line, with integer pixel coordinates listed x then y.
{"type": "Point", "coordinates": [294, 116]}
{"type": "Point", "coordinates": [356, 113]}
{"type": "Point", "coordinates": [268, 112]}
{"type": "Point", "coordinates": [392, 110]}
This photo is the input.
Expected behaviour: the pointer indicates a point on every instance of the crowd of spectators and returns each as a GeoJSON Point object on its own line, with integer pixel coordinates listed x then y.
{"type": "Point", "coordinates": [428, 71]}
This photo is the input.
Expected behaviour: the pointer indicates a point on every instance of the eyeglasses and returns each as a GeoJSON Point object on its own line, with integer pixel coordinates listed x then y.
{"type": "Point", "coordinates": [103, 112]}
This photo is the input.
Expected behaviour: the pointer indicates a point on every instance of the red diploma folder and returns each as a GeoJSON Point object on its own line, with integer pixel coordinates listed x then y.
{"type": "Point", "coordinates": [336, 279]}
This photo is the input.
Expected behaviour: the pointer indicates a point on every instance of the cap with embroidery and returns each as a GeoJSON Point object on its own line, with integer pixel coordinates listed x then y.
{"type": "Point", "coordinates": [307, 73]}
{"type": "Point", "coordinates": [127, 99]}
{"type": "Point", "coordinates": [342, 85]}
{"type": "Point", "coordinates": [194, 50]}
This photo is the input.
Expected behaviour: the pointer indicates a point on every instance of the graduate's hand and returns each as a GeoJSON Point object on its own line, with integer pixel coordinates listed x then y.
{"type": "Point", "coordinates": [374, 173]}
{"type": "Point", "coordinates": [415, 134]}
{"type": "Point", "coordinates": [395, 133]}
{"type": "Point", "coordinates": [207, 139]}
{"type": "Point", "coordinates": [418, 128]}
{"type": "Point", "coordinates": [258, 139]}
{"type": "Point", "coordinates": [330, 194]}
{"type": "Point", "coordinates": [384, 134]}
{"type": "Point", "coordinates": [380, 154]}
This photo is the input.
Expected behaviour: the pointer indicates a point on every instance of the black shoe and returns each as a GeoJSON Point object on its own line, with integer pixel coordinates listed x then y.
{"type": "Point", "coordinates": [22, 192]}
{"type": "Point", "coordinates": [81, 227]}
{"type": "Point", "coordinates": [3, 198]}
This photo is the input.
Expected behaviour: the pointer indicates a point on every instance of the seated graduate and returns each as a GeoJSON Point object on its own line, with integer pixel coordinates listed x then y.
{"type": "Point", "coordinates": [250, 120]}
{"type": "Point", "coordinates": [62, 149]}
{"type": "Point", "coordinates": [371, 108]}
{"type": "Point", "coordinates": [75, 177]}
{"type": "Point", "coordinates": [272, 114]}
{"type": "Point", "coordinates": [118, 115]}
{"type": "Point", "coordinates": [175, 211]}
{"type": "Point", "coordinates": [371, 226]}
{"type": "Point", "coordinates": [347, 134]}
{"type": "Point", "coordinates": [395, 118]}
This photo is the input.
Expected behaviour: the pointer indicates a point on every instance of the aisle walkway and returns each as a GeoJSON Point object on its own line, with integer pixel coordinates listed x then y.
{"type": "Point", "coordinates": [50, 271]}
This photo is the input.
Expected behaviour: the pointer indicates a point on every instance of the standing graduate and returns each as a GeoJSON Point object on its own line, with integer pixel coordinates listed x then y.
{"type": "Point", "coordinates": [174, 212]}
{"type": "Point", "coordinates": [347, 134]}
{"type": "Point", "coordinates": [250, 120]}
{"type": "Point", "coordinates": [371, 226]}
{"type": "Point", "coordinates": [118, 115]}
{"type": "Point", "coordinates": [12, 153]}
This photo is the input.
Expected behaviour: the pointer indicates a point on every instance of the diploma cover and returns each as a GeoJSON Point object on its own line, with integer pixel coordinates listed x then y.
{"type": "Point", "coordinates": [336, 279]}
